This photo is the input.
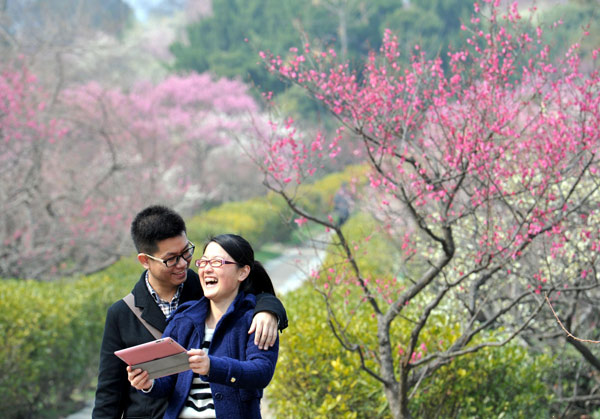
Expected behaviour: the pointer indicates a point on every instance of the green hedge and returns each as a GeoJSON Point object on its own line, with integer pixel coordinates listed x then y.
{"type": "Point", "coordinates": [259, 220]}
{"type": "Point", "coordinates": [506, 382]}
{"type": "Point", "coordinates": [268, 219]}
{"type": "Point", "coordinates": [314, 377]}
{"type": "Point", "coordinates": [52, 333]}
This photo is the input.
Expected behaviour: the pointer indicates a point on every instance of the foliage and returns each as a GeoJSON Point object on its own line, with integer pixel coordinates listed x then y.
{"type": "Point", "coordinates": [574, 22]}
{"type": "Point", "coordinates": [484, 177]}
{"type": "Point", "coordinates": [216, 43]}
{"type": "Point", "coordinates": [508, 382]}
{"type": "Point", "coordinates": [36, 21]}
{"type": "Point", "coordinates": [316, 377]}
{"type": "Point", "coordinates": [258, 220]}
{"type": "Point", "coordinates": [266, 219]}
{"type": "Point", "coordinates": [52, 333]}
{"type": "Point", "coordinates": [318, 196]}
{"type": "Point", "coordinates": [574, 375]}
{"type": "Point", "coordinates": [431, 24]}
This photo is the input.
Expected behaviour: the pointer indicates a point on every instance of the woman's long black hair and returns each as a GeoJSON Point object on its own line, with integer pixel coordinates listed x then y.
{"type": "Point", "coordinates": [241, 251]}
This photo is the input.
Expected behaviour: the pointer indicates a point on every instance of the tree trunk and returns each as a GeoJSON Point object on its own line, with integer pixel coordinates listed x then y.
{"type": "Point", "coordinates": [394, 402]}
{"type": "Point", "coordinates": [396, 392]}
{"type": "Point", "coordinates": [343, 32]}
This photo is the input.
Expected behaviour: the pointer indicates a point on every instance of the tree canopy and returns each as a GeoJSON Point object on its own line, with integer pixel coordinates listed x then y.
{"type": "Point", "coordinates": [483, 177]}
{"type": "Point", "coordinates": [226, 42]}
{"type": "Point", "coordinates": [73, 171]}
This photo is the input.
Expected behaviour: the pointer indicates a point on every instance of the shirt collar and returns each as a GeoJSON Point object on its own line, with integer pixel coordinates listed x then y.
{"type": "Point", "coordinates": [155, 295]}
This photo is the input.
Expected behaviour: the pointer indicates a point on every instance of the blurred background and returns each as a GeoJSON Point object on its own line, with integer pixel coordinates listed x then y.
{"type": "Point", "coordinates": [109, 106]}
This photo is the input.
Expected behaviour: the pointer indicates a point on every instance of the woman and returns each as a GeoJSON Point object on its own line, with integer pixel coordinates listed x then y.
{"type": "Point", "coordinates": [228, 372]}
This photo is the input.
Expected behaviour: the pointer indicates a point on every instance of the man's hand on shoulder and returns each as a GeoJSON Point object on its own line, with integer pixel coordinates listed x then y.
{"type": "Point", "coordinates": [265, 325]}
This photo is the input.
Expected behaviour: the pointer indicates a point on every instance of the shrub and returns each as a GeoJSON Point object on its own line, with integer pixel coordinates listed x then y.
{"type": "Point", "coordinates": [266, 219]}
{"type": "Point", "coordinates": [506, 382]}
{"type": "Point", "coordinates": [314, 376]}
{"type": "Point", "coordinates": [258, 220]}
{"type": "Point", "coordinates": [317, 198]}
{"type": "Point", "coordinates": [52, 333]}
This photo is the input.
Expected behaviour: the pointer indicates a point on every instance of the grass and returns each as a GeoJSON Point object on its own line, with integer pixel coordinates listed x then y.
{"type": "Point", "coordinates": [267, 253]}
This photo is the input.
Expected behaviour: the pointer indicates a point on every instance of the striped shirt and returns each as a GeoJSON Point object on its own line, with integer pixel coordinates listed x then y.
{"type": "Point", "coordinates": [199, 403]}
{"type": "Point", "coordinates": [167, 307]}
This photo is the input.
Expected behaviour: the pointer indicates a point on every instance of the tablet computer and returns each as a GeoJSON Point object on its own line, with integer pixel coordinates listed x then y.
{"type": "Point", "coordinates": [160, 357]}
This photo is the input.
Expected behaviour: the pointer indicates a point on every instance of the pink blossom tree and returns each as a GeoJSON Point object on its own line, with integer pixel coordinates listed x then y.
{"type": "Point", "coordinates": [27, 134]}
{"type": "Point", "coordinates": [74, 173]}
{"type": "Point", "coordinates": [484, 176]}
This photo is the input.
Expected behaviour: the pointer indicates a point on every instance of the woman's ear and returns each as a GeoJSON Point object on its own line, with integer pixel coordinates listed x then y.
{"type": "Point", "coordinates": [243, 273]}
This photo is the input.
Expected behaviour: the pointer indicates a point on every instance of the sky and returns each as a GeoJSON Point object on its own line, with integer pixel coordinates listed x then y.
{"type": "Point", "coordinates": [141, 7]}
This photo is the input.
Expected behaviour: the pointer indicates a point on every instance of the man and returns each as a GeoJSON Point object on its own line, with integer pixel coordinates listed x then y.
{"type": "Point", "coordinates": [341, 204]}
{"type": "Point", "coordinates": [160, 237]}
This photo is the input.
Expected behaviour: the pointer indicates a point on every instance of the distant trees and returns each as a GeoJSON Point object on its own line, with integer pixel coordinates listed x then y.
{"type": "Point", "coordinates": [93, 130]}
{"type": "Point", "coordinates": [73, 173]}
{"type": "Point", "coordinates": [432, 24]}
{"type": "Point", "coordinates": [46, 30]}
{"type": "Point", "coordinates": [32, 21]}
{"type": "Point", "coordinates": [216, 43]}
{"type": "Point", "coordinates": [484, 179]}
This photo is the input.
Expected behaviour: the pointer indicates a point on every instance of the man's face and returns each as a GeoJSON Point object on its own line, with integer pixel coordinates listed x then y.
{"type": "Point", "coordinates": [160, 276]}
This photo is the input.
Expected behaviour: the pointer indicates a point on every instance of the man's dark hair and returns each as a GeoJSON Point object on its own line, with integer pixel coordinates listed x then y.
{"type": "Point", "coordinates": [153, 224]}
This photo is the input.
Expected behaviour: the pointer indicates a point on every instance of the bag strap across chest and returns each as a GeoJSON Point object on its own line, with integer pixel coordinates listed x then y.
{"type": "Point", "coordinates": [130, 301]}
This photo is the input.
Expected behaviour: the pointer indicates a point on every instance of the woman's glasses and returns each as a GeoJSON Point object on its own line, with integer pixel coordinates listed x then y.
{"type": "Point", "coordinates": [215, 263]}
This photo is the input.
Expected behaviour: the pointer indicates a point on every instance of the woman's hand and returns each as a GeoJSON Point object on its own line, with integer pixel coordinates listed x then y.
{"type": "Point", "coordinates": [139, 379]}
{"type": "Point", "coordinates": [199, 361]}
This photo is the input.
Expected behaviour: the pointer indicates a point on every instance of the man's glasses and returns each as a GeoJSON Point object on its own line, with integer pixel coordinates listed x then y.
{"type": "Point", "coordinates": [215, 263]}
{"type": "Point", "coordinates": [174, 260]}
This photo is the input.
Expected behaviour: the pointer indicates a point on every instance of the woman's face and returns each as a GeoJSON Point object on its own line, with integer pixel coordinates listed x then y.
{"type": "Point", "coordinates": [221, 283]}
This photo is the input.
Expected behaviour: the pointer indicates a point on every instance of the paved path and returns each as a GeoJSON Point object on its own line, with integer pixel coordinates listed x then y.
{"type": "Point", "coordinates": [294, 265]}
{"type": "Point", "coordinates": [85, 413]}
{"type": "Point", "coordinates": [287, 272]}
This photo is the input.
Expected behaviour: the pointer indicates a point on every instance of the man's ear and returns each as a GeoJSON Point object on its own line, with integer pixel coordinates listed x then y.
{"type": "Point", "coordinates": [143, 259]}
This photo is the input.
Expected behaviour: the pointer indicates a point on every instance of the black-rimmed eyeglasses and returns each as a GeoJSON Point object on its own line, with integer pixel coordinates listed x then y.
{"type": "Point", "coordinates": [174, 260]}
{"type": "Point", "coordinates": [215, 263]}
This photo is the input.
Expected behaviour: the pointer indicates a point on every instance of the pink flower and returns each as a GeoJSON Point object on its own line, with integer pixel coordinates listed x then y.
{"type": "Point", "coordinates": [301, 221]}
